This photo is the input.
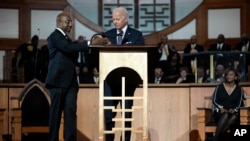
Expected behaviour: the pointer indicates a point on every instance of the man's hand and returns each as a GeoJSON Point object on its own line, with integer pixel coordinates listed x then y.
{"type": "Point", "coordinates": [100, 41]}
{"type": "Point", "coordinates": [231, 111]}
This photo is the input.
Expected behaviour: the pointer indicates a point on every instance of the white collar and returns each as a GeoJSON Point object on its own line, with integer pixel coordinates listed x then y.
{"type": "Point", "coordinates": [63, 33]}
{"type": "Point", "coordinates": [124, 29]}
{"type": "Point", "coordinates": [247, 44]}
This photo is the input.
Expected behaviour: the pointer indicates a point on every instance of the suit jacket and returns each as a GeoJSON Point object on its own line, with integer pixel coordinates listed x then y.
{"type": "Point", "coordinates": [186, 60]}
{"type": "Point", "coordinates": [225, 47]}
{"type": "Point", "coordinates": [62, 59]}
{"type": "Point", "coordinates": [152, 80]}
{"type": "Point", "coordinates": [158, 54]}
{"type": "Point", "coordinates": [240, 45]}
{"type": "Point", "coordinates": [132, 36]}
{"type": "Point", "coordinates": [188, 48]}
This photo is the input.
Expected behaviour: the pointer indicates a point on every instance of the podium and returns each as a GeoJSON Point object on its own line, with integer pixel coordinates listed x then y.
{"type": "Point", "coordinates": [135, 59]}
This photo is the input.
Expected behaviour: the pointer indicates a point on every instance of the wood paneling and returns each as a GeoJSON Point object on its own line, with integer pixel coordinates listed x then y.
{"type": "Point", "coordinates": [172, 113]}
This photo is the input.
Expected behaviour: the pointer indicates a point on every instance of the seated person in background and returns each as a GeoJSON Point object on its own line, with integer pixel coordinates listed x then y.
{"type": "Point", "coordinates": [227, 99]}
{"type": "Point", "coordinates": [85, 76]}
{"type": "Point", "coordinates": [201, 75]}
{"type": "Point", "coordinates": [243, 45]}
{"type": "Point", "coordinates": [164, 50]}
{"type": "Point", "coordinates": [219, 73]}
{"type": "Point", "coordinates": [220, 45]}
{"type": "Point", "coordinates": [78, 72]}
{"type": "Point", "coordinates": [158, 76]}
{"type": "Point", "coordinates": [191, 47]}
{"type": "Point", "coordinates": [173, 67]}
{"type": "Point", "coordinates": [184, 76]}
{"type": "Point", "coordinates": [95, 75]}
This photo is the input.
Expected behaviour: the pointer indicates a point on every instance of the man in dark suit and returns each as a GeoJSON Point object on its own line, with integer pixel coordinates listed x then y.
{"type": "Point", "coordinates": [220, 45]}
{"type": "Point", "coordinates": [192, 47]}
{"type": "Point", "coordinates": [244, 44]}
{"type": "Point", "coordinates": [129, 35]}
{"type": "Point", "coordinates": [244, 47]}
{"type": "Point", "coordinates": [164, 49]}
{"type": "Point", "coordinates": [61, 79]}
{"type": "Point", "coordinates": [158, 77]}
{"type": "Point", "coordinates": [120, 35]}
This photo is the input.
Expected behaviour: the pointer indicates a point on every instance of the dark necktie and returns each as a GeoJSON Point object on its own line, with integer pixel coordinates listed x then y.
{"type": "Point", "coordinates": [119, 38]}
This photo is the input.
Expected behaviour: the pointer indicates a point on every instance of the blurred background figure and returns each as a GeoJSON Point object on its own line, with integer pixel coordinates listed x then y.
{"type": "Point", "coordinates": [84, 75]}
{"type": "Point", "coordinates": [83, 56]}
{"type": "Point", "coordinates": [158, 76]}
{"type": "Point", "coordinates": [243, 45]}
{"type": "Point", "coordinates": [26, 60]}
{"type": "Point", "coordinates": [219, 73]}
{"type": "Point", "coordinates": [164, 50]}
{"type": "Point", "coordinates": [220, 44]}
{"type": "Point", "coordinates": [78, 73]}
{"type": "Point", "coordinates": [94, 77]}
{"type": "Point", "coordinates": [193, 46]}
{"type": "Point", "coordinates": [173, 67]}
{"type": "Point", "coordinates": [201, 75]}
{"type": "Point", "coordinates": [184, 76]}
{"type": "Point", "coordinates": [190, 48]}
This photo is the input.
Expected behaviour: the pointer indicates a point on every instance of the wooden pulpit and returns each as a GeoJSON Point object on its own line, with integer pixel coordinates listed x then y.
{"type": "Point", "coordinates": [134, 58]}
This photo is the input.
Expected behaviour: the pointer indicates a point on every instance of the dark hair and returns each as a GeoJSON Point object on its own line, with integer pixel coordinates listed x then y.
{"type": "Point", "coordinates": [235, 72]}
{"type": "Point", "coordinates": [172, 54]}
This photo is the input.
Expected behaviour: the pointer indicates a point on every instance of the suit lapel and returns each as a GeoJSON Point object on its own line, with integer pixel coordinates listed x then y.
{"type": "Point", "coordinates": [127, 35]}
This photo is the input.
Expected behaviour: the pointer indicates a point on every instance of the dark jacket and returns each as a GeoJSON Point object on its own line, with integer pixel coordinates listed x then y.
{"type": "Point", "coordinates": [62, 59]}
{"type": "Point", "coordinates": [132, 36]}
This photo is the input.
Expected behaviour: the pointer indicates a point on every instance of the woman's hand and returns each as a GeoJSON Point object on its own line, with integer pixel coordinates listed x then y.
{"type": "Point", "coordinates": [222, 110]}
{"type": "Point", "coordinates": [231, 111]}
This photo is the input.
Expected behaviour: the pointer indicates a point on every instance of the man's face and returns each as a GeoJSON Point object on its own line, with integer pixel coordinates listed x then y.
{"type": "Point", "coordinates": [193, 39]}
{"type": "Point", "coordinates": [119, 19]}
{"type": "Point", "coordinates": [220, 39]}
{"type": "Point", "coordinates": [65, 23]}
{"type": "Point", "coordinates": [158, 72]}
{"type": "Point", "coordinates": [164, 39]}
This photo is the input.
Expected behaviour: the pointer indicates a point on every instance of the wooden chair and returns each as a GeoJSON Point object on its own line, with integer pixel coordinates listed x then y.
{"type": "Point", "coordinates": [205, 124]}
{"type": "Point", "coordinates": [30, 113]}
